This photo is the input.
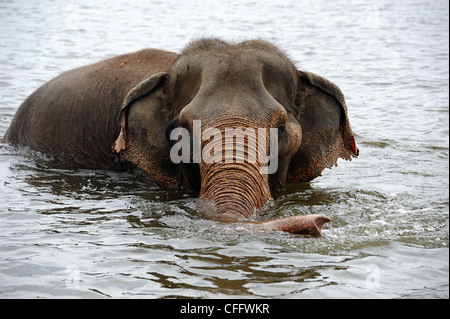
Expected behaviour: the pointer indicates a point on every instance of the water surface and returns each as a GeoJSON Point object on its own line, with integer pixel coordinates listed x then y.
{"type": "Point", "coordinates": [95, 233]}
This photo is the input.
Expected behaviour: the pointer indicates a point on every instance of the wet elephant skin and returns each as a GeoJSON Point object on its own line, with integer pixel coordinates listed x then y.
{"type": "Point", "coordinates": [133, 102]}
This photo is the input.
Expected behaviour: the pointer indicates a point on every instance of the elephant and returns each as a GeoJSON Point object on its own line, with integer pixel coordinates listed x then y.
{"type": "Point", "coordinates": [123, 112]}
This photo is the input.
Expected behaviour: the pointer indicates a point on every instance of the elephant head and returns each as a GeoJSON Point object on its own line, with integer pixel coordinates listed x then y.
{"type": "Point", "coordinates": [249, 90]}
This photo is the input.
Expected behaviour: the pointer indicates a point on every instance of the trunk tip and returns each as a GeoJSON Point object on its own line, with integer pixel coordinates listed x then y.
{"type": "Point", "coordinates": [318, 221]}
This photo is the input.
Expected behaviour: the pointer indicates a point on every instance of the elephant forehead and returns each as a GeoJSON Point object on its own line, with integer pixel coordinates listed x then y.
{"type": "Point", "coordinates": [222, 74]}
{"type": "Point", "coordinates": [234, 66]}
{"type": "Point", "coordinates": [216, 46]}
{"type": "Point", "coordinates": [253, 55]}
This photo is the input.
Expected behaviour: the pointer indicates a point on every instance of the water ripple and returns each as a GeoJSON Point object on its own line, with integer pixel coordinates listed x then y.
{"type": "Point", "coordinates": [102, 234]}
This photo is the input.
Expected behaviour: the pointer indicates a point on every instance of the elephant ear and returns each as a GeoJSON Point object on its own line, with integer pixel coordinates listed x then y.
{"type": "Point", "coordinates": [142, 138]}
{"type": "Point", "coordinates": [326, 131]}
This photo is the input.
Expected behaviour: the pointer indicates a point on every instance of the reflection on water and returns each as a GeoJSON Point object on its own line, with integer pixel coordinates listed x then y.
{"type": "Point", "coordinates": [85, 233]}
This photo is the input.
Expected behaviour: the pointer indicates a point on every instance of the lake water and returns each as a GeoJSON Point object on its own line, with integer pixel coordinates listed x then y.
{"type": "Point", "coordinates": [94, 233]}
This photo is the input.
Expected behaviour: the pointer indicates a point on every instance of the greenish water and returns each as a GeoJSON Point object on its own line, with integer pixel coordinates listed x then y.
{"type": "Point", "coordinates": [94, 233]}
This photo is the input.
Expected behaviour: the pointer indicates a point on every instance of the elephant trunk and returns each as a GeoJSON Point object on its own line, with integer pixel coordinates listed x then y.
{"type": "Point", "coordinates": [237, 186]}
{"type": "Point", "coordinates": [236, 190]}
{"type": "Point", "coordinates": [232, 180]}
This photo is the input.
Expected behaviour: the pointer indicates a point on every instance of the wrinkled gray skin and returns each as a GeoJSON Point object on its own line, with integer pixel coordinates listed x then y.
{"type": "Point", "coordinates": [133, 102]}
